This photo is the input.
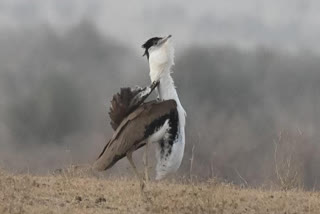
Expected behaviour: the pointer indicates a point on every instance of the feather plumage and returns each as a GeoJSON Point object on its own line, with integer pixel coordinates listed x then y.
{"type": "Point", "coordinates": [128, 100]}
{"type": "Point", "coordinates": [131, 133]}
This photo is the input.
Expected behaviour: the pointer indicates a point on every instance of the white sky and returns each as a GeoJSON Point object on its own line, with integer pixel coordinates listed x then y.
{"type": "Point", "coordinates": [287, 24]}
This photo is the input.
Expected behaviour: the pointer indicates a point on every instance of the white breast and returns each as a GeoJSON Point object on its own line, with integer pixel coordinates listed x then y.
{"type": "Point", "coordinates": [170, 164]}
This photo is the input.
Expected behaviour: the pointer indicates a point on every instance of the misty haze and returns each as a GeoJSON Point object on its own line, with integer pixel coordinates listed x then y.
{"type": "Point", "coordinates": [248, 78]}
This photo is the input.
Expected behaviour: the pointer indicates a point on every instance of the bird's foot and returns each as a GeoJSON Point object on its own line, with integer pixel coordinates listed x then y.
{"type": "Point", "coordinates": [142, 185]}
{"type": "Point", "coordinates": [146, 175]}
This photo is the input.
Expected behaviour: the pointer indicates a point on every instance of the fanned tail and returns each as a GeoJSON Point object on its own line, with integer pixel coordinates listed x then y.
{"type": "Point", "coordinates": [121, 105]}
{"type": "Point", "coordinates": [127, 101]}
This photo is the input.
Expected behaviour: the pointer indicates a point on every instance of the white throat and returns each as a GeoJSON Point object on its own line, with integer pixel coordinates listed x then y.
{"type": "Point", "coordinates": [166, 88]}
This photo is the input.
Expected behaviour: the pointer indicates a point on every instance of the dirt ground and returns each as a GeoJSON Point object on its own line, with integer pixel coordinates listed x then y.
{"type": "Point", "coordinates": [68, 192]}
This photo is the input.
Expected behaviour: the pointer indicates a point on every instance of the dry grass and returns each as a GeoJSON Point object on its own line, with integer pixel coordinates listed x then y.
{"type": "Point", "coordinates": [70, 192]}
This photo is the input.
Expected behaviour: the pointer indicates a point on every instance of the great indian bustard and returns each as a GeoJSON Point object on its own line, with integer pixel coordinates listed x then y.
{"type": "Point", "coordinates": [138, 124]}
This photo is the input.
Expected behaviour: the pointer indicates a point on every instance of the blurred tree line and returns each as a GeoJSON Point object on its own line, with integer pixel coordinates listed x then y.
{"type": "Point", "coordinates": [53, 87]}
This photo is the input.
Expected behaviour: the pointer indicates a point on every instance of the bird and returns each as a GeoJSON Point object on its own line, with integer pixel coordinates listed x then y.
{"type": "Point", "coordinates": [138, 123]}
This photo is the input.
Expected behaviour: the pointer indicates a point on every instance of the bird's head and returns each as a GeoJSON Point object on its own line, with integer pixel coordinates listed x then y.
{"type": "Point", "coordinates": [160, 53]}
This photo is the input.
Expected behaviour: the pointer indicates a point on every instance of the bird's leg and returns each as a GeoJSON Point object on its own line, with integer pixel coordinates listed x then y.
{"type": "Point", "coordinates": [142, 183]}
{"type": "Point", "coordinates": [145, 162]}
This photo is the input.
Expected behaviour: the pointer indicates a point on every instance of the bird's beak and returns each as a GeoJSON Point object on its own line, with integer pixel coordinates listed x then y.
{"type": "Point", "coordinates": [162, 41]}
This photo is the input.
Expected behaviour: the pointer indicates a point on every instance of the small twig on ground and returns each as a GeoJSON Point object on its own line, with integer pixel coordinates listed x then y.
{"type": "Point", "coordinates": [191, 161]}
{"type": "Point", "coordinates": [244, 180]}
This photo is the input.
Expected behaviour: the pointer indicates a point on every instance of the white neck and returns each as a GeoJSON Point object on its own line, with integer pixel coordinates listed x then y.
{"type": "Point", "coordinates": [166, 88]}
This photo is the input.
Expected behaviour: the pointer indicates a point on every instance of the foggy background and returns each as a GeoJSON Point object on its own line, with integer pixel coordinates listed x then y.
{"type": "Point", "coordinates": [248, 75]}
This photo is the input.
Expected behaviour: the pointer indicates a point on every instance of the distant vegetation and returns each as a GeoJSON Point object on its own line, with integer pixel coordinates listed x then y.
{"type": "Point", "coordinates": [54, 90]}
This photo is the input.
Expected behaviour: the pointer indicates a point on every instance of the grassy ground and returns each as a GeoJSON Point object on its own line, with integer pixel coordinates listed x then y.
{"type": "Point", "coordinates": [73, 193]}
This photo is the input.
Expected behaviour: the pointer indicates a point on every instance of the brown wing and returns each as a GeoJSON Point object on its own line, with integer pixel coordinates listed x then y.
{"type": "Point", "coordinates": [125, 102]}
{"type": "Point", "coordinates": [130, 134]}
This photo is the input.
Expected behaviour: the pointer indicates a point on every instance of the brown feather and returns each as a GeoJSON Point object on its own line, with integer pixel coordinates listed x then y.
{"type": "Point", "coordinates": [125, 102]}
{"type": "Point", "coordinates": [130, 134]}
